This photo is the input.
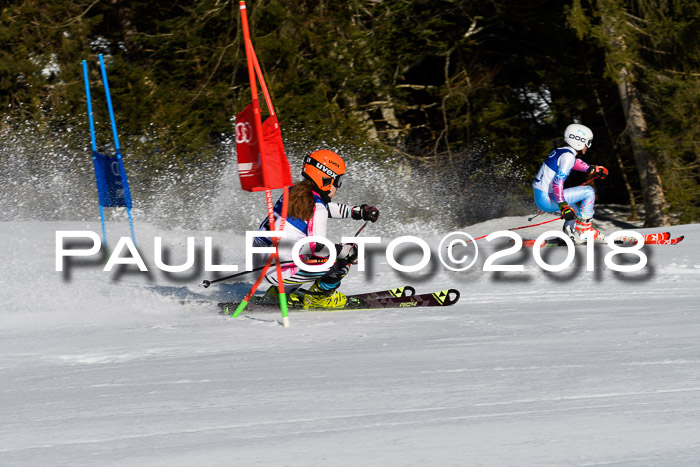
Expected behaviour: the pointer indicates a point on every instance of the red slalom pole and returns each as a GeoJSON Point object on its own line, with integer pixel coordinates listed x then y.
{"type": "Point", "coordinates": [273, 256]}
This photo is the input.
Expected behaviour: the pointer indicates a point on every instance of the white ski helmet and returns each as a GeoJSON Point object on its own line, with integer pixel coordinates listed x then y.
{"type": "Point", "coordinates": [577, 136]}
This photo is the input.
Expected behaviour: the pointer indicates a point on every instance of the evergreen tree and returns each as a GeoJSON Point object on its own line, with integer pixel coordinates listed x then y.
{"type": "Point", "coordinates": [478, 88]}
{"type": "Point", "coordinates": [641, 40]}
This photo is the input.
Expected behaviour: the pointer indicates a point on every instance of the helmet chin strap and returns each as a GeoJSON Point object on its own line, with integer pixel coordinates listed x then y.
{"type": "Point", "coordinates": [325, 195]}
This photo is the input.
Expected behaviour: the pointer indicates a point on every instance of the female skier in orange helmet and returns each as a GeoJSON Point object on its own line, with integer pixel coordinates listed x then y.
{"type": "Point", "coordinates": [310, 206]}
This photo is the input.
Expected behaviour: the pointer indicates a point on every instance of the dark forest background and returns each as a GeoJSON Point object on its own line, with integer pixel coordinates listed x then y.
{"type": "Point", "coordinates": [472, 88]}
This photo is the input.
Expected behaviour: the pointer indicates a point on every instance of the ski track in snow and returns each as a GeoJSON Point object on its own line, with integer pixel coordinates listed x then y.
{"type": "Point", "coordinates": [527, 369]}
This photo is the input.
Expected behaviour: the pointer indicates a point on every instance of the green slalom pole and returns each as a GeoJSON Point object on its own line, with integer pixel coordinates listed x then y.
{"type": "Point", "coordinates": [282, 296]}
{"type": "Point", "coordinates": [239, 309]}
{"type": "Point", "coordinates": [285, 311]}
{"type": "Point", "coordinates": [241, 306]}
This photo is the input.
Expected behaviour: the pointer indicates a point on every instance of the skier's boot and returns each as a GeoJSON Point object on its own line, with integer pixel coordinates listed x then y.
{"type": "Point", "coordinates": [320, 297]}
{"type": "Point", "coordinates": [570, 230]}
{"type": "Point", "coordinates": [272, 296]}
{"type": "Point", "coordinates": [324, 293]}
{"type": "Point", "coordinates": [584, 225]}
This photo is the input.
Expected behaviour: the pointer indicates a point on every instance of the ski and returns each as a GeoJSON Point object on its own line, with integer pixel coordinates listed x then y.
{"type": "Point", "coordinates": [404, 291]}
{"type": "Point", "coordinates": [293, 298]}
{"type": "Point", "coordinates": [671, 241]}
{"type": "Point", "coordinates": [655, 239]}
{"type": "Point", "coordinates": [402, 297]}
{"type": "Point", "coordinates": [649, 239]}
{"type": "Point", "coordinates": [661, 238]}
{"type": "Point", "coordinates": [442, 298]}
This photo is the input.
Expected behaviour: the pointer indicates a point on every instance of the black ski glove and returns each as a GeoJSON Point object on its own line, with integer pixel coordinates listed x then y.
{"type": "Point", "coordinates": [365, 212]}
{"type": "Point", "coordinates": [346, 252]}
{"type": "Point", "coordinates": [567, 213]}
{"type": "Point", "coordinates": [598, 170]}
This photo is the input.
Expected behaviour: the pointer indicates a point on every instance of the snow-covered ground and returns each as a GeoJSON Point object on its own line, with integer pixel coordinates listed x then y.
{"type": "Point", "coordinates": [527, 369]}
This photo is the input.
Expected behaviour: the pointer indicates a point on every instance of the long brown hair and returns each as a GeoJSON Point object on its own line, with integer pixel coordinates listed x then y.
{"type": "Point", "coordinates": [301, 200]}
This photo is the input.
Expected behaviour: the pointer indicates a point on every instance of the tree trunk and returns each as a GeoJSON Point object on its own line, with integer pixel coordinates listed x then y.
{"type": "Point", "coordinates": [623, 169]}
{"type": "Point", "coordinates": [620, 60]}
{"type": "Point", "coordinates": [650, 180]}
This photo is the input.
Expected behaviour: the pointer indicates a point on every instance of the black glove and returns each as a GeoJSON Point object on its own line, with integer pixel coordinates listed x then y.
{"type": "Point", "coordinates": [598, 170]}
{"type": "Point", "coordinates": [346, 252]}
{"type": "Point", "coordinates": [365, 212]}
{"type": "Point", "coordinates": [567, 213]}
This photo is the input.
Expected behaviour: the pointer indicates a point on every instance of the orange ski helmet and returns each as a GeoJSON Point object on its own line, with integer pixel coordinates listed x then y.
{"type": "Point", "coordinates": [324, 168]}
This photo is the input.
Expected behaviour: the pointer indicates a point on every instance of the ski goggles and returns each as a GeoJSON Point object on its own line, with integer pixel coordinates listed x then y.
{"type": "Point", "coordinates": [589, 142]}
{"type": "Point", "coordinates": [337, 182]}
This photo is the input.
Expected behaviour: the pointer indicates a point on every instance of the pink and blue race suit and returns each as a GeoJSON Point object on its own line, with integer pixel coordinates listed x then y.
{"type": "Point", "coordinates": [549, 188]}
{"type": "Point", "coordinates": [294, 230]}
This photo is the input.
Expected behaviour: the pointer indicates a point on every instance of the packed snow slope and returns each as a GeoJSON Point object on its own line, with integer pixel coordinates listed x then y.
{"type": "Point", "coordinates": [529, 368]}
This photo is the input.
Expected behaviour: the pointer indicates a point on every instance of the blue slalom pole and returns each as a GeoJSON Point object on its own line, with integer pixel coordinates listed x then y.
{"type": "Point", "coordinates": [89, 106]}
{"type": "Point", "coordinates": [94, 146]}
{"type": "Point", "coordinates": [104, 230]}
{"type": "Point", "coordinates": [125, 182]}
{"type": "Point", "coordinates": [109, 106]}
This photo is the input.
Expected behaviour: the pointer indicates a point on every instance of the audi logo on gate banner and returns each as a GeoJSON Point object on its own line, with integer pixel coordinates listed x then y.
{"type": "Point", "coordinates": [244, 132]}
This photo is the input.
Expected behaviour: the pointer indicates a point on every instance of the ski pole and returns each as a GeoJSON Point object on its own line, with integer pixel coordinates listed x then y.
{"type": "Point", "coordinates": [518, 228]}
{"type": "Point", "coordinates": [361, 229]}
{"type": "Point", "coordinates": [530, 219]}
{"type": "Point", "coordinates": [206, 283]}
